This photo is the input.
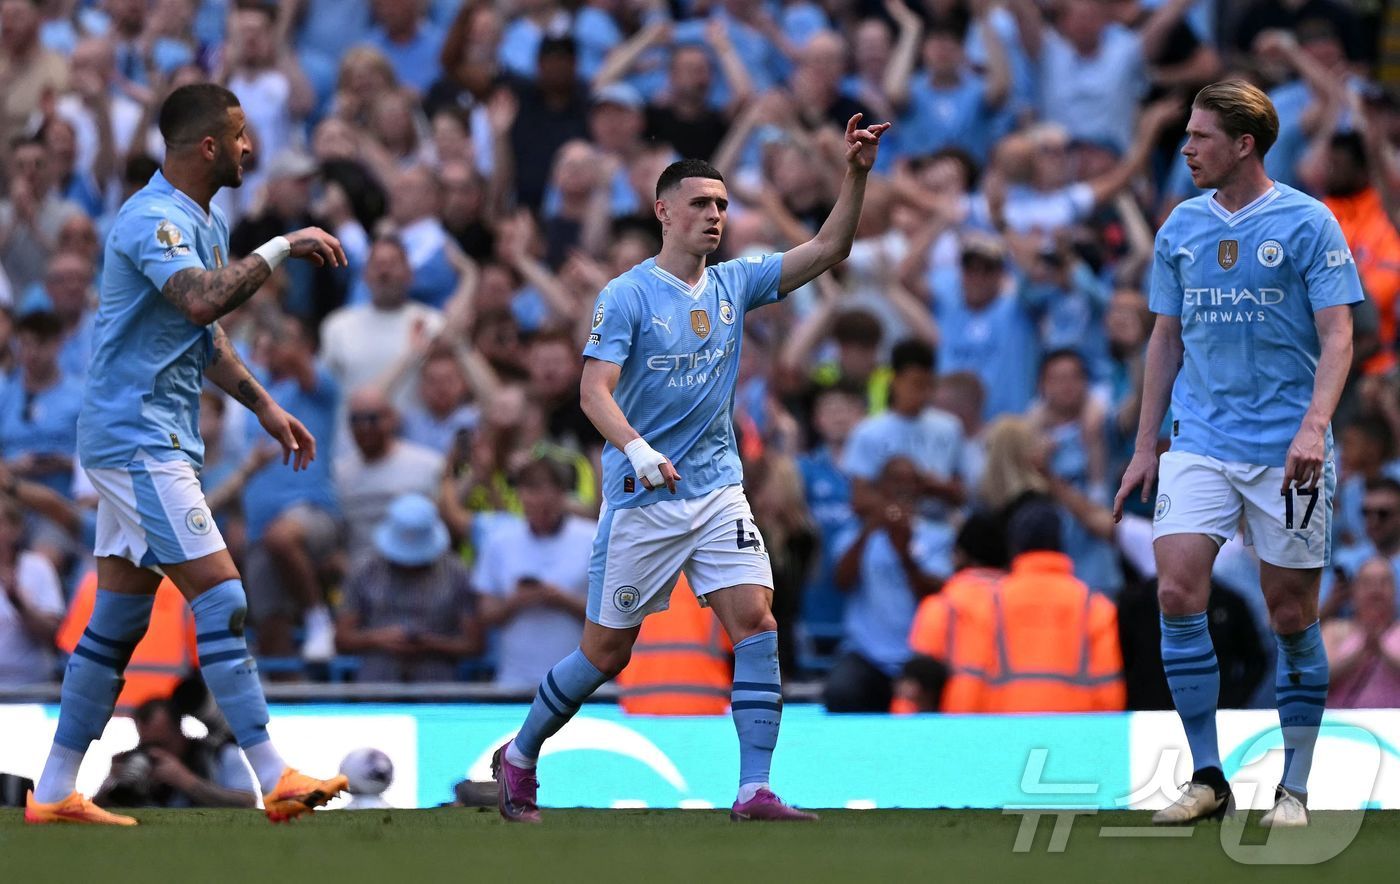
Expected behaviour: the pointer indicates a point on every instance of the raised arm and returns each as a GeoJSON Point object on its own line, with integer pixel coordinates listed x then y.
{"type": "Point", "coordinates": [1158, 27]}
{"type": "Point", "coordinates": [998, 61]}
{"type": "Point", "coordinates": [832, 244]}
{"type": "Point", "coordinates": [619, 62]}
{"type": "Point", "coordinates": [205, 295]}
{"type": "Point", "coordinates": [1153, 122]}
{"type": "Point", "coordinates": [900, 68]}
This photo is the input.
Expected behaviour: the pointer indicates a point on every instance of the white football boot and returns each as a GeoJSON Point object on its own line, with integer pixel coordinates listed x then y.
{"type": "Point", "coordinates": [1290, 811]}
{"type": "Point", "coordinates": [1198, 801]}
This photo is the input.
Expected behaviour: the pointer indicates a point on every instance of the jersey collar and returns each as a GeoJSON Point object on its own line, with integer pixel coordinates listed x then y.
{"type": "Point", "coordinates": [679, 284]}
{"type": "Point", "coordinates": [161, 183]}
{"type": "Point", "coordinates": [1232, 219]}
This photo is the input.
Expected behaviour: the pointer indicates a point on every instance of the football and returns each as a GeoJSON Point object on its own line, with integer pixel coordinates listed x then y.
{"type": "Point", "coordinates": [370, 771]}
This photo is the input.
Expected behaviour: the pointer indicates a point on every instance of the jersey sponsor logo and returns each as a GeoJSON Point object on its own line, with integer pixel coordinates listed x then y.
{"type": "Point", "coordinates": [1230, 305]}
{"type": "Point", "coordinates": [1228, 254]}
{"type": "Point", "coordinates": [1338, 257]}
{"type": "Point", "coordinates": [198, 521]}
{"type": "Point", "coordinates": [1189, 253]}
{"type": "Point", "coordinates": [1270, 253]}
{"type": "Point", "coordinates": [700, 323]}
{"type": "Point", "coordinates": [598, 316]}
{"type": "Point", "coordinates": [726, 312]}
{"type": "Point", "coordinates": [664, 323]}
{"type": "Point", "coordinates": [626, 599]}
{"type": "Point", "coordinates": [690, 369]}
{"type": "Point", "coordinates": [1164, 506]}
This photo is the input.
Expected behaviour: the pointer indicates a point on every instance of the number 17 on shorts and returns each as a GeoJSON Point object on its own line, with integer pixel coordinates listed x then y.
{"type": "Point", "coordinates": [1204, 495]}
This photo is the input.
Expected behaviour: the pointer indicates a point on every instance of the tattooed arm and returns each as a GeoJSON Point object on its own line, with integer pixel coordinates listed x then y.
{"type": "Point", "coordinates": [205, 295]}
{"type": "Point", "coordinates": [228, 372]}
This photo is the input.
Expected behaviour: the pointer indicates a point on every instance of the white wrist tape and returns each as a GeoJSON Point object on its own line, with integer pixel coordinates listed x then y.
{"type": "Point", "coordinates": [274, 251]}
{"type": "Point", "coordinates": [646, 461]}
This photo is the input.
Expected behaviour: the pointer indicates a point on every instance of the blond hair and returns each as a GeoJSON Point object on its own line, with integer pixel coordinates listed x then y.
{"type": "Point", "coordinates": [1011, 469]}
{"type": "Point", "coordinates": [1243, 109]}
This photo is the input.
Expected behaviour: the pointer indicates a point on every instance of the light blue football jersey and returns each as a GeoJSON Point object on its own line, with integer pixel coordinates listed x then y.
{"type": "Point", "coordinates": [1246, 285]}
{"type": "Point", "coordinates": [679, 351]}
{"type": "Point", "coordinates": [148, 360]}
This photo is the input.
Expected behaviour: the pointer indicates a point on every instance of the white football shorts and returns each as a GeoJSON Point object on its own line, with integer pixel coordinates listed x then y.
{"type": "Point", "coordinates": [640, 551]}
{"type": "Point", "coordinates": [152, 512]}
{"type": "Point", "coordinates": [1204, 495]}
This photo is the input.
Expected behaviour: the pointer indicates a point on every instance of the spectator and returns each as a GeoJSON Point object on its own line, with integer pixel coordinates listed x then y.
{"type": "Point", "coordinates": [551, 111]}
{"type": "Point", "coordinates": [31, 603]}
{"type": "Point", "coordinates": [29, 71]}
{"type": "Point", "coordinates": [362, 344]}
{"type": "Point", "coordinates": [410, 40]}
{"type": "Point", "coordinates": [169, 769]}
{"type": "Point", "coordinates": [68, 287]}
{"type": "Point", "coordinates": [1366, 452]}
{"type": "Point", "coordinates": [1364, 650]}
{"type": "Point", "coordinates": [944, 670]}
{"type": "Point", "coordinates": [39, 408]}
{"type": "Point", "coordinates": [961, 395]}
{"type": "Point", "coordinates": [1380, 508]}
{"type": "Point", "coordinates": [912, 428]}
{"type": "Point", "coordinates": [446, 412]}
{"type": "Point", "coordinates": [897, 558]}
{"type": "Point", "coordinates": [292, 529]}
{"type": "Point", "coordinates": [948, 104]}
{"type": "Point", "coordinates": [1051, 644]}
{"type": "Point", "coordinates": [33, 211]}
{"type": "Point", "coordinates": [408, 611]}
{"type": "Point", "coordinates": [836, 412]}
{"type": "Point", "coordinates": [272, 89]}
{"type": "Point", "coordinates": [532, 573]}
{"type": "Point", "coordinates": [1072, 426]}
{"type": "Point", "coordinates": [413, 204]}
{"type": "Point", "coordinates": [379, 467]}
{"type": "Point", "coordinates": [988, 331]}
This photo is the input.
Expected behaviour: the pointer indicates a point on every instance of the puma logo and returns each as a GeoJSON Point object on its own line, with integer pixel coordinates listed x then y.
{"type": "Point", "coordinates": [664, 323]}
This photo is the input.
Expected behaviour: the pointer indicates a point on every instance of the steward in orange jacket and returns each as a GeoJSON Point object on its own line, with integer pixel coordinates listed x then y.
{"type": "Point", "coordinates": [681, 663]}
{"type": "Point", "coordinates": [161, 660]}
{"type": "Point", "coordinates": [1039, 640]}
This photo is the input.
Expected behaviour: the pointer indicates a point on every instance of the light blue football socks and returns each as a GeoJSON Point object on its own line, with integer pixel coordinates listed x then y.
{"type": "Point", "coordinates": [1300, 691]}
{"type": "Point", "coordinates": [565, 687]}
{"type": "Point", "coordinates": [91, 683]}
{"type": "Point", "coordinates": [757, 706]}
{"type": "Point", "coordinates": [1193, 674]}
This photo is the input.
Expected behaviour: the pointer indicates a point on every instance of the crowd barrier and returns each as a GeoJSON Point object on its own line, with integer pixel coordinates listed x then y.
{"type": "Point", "coordinates": [605, 758]}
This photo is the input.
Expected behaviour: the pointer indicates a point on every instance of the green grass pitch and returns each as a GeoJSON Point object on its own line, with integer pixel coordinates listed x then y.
{"type": "Point", "coordinates": [468, 845]}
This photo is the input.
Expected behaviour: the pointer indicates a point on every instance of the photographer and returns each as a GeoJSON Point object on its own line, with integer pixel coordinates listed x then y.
{"type": "Point", "coordinates": [168, 769]}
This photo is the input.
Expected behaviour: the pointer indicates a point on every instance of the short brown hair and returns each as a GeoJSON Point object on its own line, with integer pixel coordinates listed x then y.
{"type": "Point", "coordinates": [1243, 109]}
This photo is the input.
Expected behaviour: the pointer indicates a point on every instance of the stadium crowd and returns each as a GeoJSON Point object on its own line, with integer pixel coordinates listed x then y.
{"type": "Point", "coordinates": [961, 395]}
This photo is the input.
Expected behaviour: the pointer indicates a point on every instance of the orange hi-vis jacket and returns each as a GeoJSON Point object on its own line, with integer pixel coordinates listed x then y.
{"type": "Point", "coordinates": [1375, 246]}
{"type": "Point", "coordinates": [161, 659]}
{"type": "Point", "coordinates": [681, 662]}
{"type": "Point", "coordinates": [1038, 640]}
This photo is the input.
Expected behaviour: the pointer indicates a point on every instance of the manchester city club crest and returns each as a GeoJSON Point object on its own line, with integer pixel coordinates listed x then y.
{"type": "Point", "coordinates": [700, 323]}
{"type": "Point", "coordinates": [726, 312]}
{"type": "Point", "coordinates": [1270, 253]}
{"type": "Point", "coordinates": [1164, 506]}
{"type": "Point", "coordinates": [197, 520]}
{"type": "Point", "coordinates": [1229, 253]}
{"type": "Point", "coordinates": [626, 598]}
